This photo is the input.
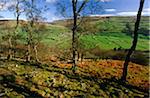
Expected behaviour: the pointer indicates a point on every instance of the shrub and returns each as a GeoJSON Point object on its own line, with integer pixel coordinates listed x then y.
{"type": "Point", "coordinates": [140, 58]}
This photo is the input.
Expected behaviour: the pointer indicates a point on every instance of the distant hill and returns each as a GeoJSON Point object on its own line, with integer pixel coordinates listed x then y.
{"type": "Point", "coordinates": [122, 19]}
{"type": "Point", "coordinates": [119, 19]}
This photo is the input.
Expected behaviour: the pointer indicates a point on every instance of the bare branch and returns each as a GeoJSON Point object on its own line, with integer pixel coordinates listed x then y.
{"type": "Point", "coordinates": [82, 6]}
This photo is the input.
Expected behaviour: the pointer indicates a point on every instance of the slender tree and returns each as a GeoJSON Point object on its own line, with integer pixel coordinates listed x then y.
{"type": "Point", "coordinates": [17, 9]}
{"type": "Point", "coordinates": [18, 12]}
{"type": "Point", "coordinates": [30, 32]}
{"type": "Point", "coordinates": [39, 33]}
{"type": "Point", "coordinates": [8, 37]}
{"type": "Point", "coordinates": [34, 15]}
{"type": "Point", "coordinates": [30, 16]}
{"type": "Point", "coordinates": [134, 43]}
{"type": "Point", "coordinates": [78, 12]}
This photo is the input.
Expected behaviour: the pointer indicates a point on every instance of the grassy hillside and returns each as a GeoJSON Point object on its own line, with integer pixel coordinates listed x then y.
{"type": "Point", "coordinates": [112, 40]}
{"type": "Point", "coordinates": [112, 37]}
{"type": "Point", "coordinates": [57, 35]}
{"type": "Point", "coordinates": [120, 20]}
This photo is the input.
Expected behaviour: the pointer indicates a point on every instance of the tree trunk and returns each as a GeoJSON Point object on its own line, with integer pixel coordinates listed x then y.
{"type": "Point", "coordinates": [29, 48]}
{"type": "Point", "coordinates": [134, 43]}
{"type": "Point", "coordinates": [17, 21]}
{"type": "Point", "coordinates": [28, 58]}
{"type": "Point", "coordinates": [17, 24]}
{"type": "Point", "coordinates": [74, 36]}
{"type": "Point", "coordinates": [30, 33]}
{"type": "Point", "coordinates": [36, 53]}
{"type": "Point", "coordinates": [28, 54]}
{"type": "Point", "coordinates": [9, 57]}
{"type": "Point", "coordinates": [18, 14]}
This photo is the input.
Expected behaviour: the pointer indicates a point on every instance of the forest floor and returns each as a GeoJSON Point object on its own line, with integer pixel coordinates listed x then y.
{"type": "Point", "coordinates": [92, 79]}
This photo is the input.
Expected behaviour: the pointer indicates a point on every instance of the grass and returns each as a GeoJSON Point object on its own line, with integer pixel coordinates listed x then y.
{"type": "Point", "coordinates": [56, 36]}
{"type": "Point", "coordinates": [105, 41]}
{"type": "Point", "coordinates": [112, 40]}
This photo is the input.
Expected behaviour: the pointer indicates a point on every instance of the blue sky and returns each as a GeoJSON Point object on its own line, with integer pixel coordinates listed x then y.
{"type": "Point", "coordinates": [110, 8]}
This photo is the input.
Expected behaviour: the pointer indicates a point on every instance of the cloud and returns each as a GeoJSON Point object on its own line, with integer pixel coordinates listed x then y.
{"type": "Point", "coordinates": [110, 10]}
{"type": "Point", "coordinates": [132, 13]}
{"type": "Point", "coordinates": [51, 1]}
{"type": "Point", "coordinates": [146, 13]}
{"type": "Point", "coordinates": [126, 13]}
{"type": "Point", "coordinates": [5, 6]}
{"type": "Point", "coordinates": [51, 16]}
{"type": "Point", "coordinates": [103, 15]}
{"type": "Point", "coordinates": [146, 9]}
{"type": "Point", "coordinates": [2, 5]}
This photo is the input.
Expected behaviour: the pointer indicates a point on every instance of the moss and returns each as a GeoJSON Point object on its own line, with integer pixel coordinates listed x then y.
{"type": "Point", "coordinates": [41, 92]}
{"type": "Point", "coordinates": [14, 95]}
{"type": "Point", "coordinates": [1, 78]}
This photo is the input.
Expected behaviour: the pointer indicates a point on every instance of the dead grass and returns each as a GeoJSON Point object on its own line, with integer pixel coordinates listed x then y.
{"type": "Point", "coordinates": [138, 75]}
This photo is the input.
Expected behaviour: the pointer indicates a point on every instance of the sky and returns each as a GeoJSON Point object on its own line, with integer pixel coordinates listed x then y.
{"type": "Point", "coordinates": [110, 8]}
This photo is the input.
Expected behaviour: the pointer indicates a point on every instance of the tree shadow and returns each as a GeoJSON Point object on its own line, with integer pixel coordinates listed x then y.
{"type": "Point", "coordinates": [119, 84]}
{"type": "Point", "coordinates": [69, 74]}
{"type": "Point", "coordinates": [9, 82]}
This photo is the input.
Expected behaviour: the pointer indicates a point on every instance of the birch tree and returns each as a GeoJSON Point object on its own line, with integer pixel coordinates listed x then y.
{"type": "Point", "coordinates": [18, 8]}
{"type": "Point", "coordinates": [33, 14]}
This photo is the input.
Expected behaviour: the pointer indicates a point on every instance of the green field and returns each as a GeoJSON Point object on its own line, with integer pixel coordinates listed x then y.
{"type": "Point", "coordinates": [105, 41]}
{"type": "Point", "coordinates": [110, 41]}
{"type": "Point", "coordinates": [113, 37]}
{"type": "Point", "coordinates": [109, 34]}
